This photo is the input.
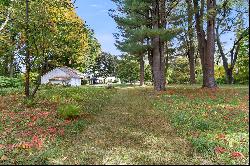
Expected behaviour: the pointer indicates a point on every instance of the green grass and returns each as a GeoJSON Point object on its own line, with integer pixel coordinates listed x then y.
{"type": "Point", "coordinates": [125, 125]}
{"type": "Point", "coordinates": [23, 119]}
{"type": "Point", "coordinates": [210, 120]}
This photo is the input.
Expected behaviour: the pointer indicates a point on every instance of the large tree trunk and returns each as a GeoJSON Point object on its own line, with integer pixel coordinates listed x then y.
{"type": "Point", "coordinates": [206, 46]}
{"type": "Point", "coordinates": [158, 68]}
{"type": "Point", "coordinates": [27, 56]}
{"type": "Point", "coordinates": [142, 73]}
{"type": "Point", "coordinates": [158, 46]}
{"type": "Point", "coordinates": [191, 49]}
{"type": "Point", "coordinates": [209, 58]}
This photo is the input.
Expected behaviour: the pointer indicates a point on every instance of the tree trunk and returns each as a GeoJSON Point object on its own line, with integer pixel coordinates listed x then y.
{"type": "Point", "coordinates": [158, 46]}
{"type": "Point", "coordinates": [5, 67]}
{"type": "Point", "coordinates": [27, 57]}
{"type": "Point", "coordinates": [224, 58]}
{"type": "Point", "coordinates": [191, 65]}
{"type": "Point", "coordinates": [11, 68]}
{"type": "Point", "coordinates": [142, 73]}
{"type": "Point", "coordinates": [206, 46]}
{"type": "Point", "coordinates": [200, 34]}
{"type": "Point", "coordinates": [229, 75]}
{"type": "Point", "coordinates": [150, 60]}
{"type": "Point", "coordinates": [191, 57]}
{"type": "Point", "coordinates": [209, 58]}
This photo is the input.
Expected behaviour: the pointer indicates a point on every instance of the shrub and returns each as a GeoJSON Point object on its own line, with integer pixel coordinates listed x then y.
{"type": "Point", "coordinates": [68, 111]}
{"type": "Point", "coordinates": [84, 82]}
{"type": "Point", "coordinates": [6, 82]}
{"type": "Point", "coordinates": [29, 102]}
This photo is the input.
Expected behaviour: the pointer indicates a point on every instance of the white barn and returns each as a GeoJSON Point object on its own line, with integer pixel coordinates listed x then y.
{"type": "Point", "coordinates": [63, 76]}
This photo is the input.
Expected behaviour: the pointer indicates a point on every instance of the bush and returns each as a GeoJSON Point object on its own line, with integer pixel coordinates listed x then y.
{"type": "Point", "coordinates": [84, 82]}
{"type": "Point", "coordinates": [68, 111]}
{"type": "Point", "coordinates": [6, 82]}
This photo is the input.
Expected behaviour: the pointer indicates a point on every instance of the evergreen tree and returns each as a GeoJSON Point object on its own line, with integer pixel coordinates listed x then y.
{"type": "Point", "coordinates": [143, 28]}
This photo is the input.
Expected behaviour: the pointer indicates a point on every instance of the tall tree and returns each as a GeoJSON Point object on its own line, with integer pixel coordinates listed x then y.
{"type": "Point", "coordinates": [228, 22]}
{"type": "Point", "coordinates": [191, 48]}
{"type": "Point", "coordinates": [206, 41]}
{"type": "Point", "coordinates": [105, 65]}
{"type": "Point", "coordinates": [43, 35]}
{"type": "Point", "coordinates": [143, 24]}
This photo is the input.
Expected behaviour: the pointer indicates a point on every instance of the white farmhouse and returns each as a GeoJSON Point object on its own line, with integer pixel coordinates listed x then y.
{"type": "Point", "coordinates": [63, 76]}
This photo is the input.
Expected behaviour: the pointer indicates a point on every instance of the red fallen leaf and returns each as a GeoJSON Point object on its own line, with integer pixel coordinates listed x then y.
{"type": "Point", "coordinates": [35, 138]}
{"type": "Point", "coordinates": [219, 150]}
{"type": "Point", "coordinates": [30, 124]}
{"type": "Point", "coordinates": [67, 121]}
{"type": "Point", "coordinates": [52, 130]}
{"type": "Point", "coordinates": [61, 132]}
{"type": "Point", "coordinates": [36, 142]}
{"type": "Point", "coordinates": [33, 118]}
{"type": "Point", "coordinates": [221, 136]}
{"type": "Point", "coordinates": [236, 154]}
{"type": "Point", "coordinates": [44, 114]}
{"type": "Point", "coordinates": [226, 118]}
{"type": "Point", "coordinates": [1, 146]}
{"type": "Point", "coordinates": [26, 133]}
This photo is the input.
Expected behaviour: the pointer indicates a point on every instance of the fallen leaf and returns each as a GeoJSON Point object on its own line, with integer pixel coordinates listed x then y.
{"type": "Point", "coordinates": [3, 158]}
{"type": "Point", "coordinates": [236, 155]}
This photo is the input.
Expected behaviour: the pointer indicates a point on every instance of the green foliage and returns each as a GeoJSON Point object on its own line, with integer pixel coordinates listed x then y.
{"type": "Point", "coordinates": [178, 72]}
{"type": "Point", "coordinates": [29, 102]}
{"type": "Point", "coordinates": [57, 37]}
{"type": "Point", "coordinates": [219, 74]}
{"type": "Point", "coordinates": [128, 69]}
{"type": "Point", "coordinates": [202, 145]}
{"type": "Point", "coordinates": [241, 71]}
{"type": "Point", "coordinates": [148, 73]}
{"type": "Point", "coordinates": [68, 111]}
{"type": "Point", "coordinates": [7, 82]}
{"type": "Point", "coordinates": [105, 65]}
{"type": "Point", "coordinates": [84, 82]}
{"type": "Point", "coordinates": [8, 91]}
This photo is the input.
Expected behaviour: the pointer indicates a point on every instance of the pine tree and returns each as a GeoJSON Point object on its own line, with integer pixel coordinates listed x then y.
{"type": "Point", "coordinates": [142, 27]}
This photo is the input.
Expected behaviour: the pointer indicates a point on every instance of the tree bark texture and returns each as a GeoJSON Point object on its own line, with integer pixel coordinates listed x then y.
{"type": "Point", "coordinates": [191, 48]}
{"type": "Point", "coordinates": [206, 46]}
{"type": "Point", "coordinates": [27, 56]}
{"type": "Point", "coordinates": [158, 46]}
{"type": "Point", "coordinates": [209, 58]}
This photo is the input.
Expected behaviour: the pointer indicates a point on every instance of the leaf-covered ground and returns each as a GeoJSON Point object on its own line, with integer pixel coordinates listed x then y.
{"type": "Point", "coordinates": [185, 125]}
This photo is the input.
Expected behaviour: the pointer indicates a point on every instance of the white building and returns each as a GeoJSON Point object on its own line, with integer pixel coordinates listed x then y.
{"type": "Point", "coordinates": [63, 76]}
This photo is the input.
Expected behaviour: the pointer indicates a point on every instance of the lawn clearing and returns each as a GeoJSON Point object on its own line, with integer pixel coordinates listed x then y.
{"type": "Point", "coordinates": [215, 122]}
{"type": "Point", "coordinates": [185, 125]}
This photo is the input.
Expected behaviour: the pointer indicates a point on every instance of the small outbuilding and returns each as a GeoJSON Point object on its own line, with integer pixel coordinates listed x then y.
{"type": "Point", "coordinates": [63, 76]}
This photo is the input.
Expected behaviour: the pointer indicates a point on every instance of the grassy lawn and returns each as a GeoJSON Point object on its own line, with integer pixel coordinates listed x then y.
{"type": "Point", "coordinates": [126, 125]}
{"type": "Point", "coordinates": [216, 122]}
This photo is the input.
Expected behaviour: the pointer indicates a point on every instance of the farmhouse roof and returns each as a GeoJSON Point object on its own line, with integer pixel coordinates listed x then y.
{"type": "Point", "coordinates": [72, 72]}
